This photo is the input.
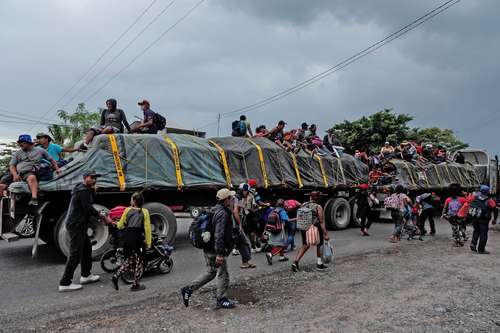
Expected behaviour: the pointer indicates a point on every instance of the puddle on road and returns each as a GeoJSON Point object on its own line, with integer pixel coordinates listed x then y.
{"type": "Point", "coordinates": [243, 295]}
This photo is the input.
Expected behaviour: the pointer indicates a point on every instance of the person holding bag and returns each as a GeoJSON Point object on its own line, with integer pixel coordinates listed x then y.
{"type": "Point", "coordinates": [311, 223]}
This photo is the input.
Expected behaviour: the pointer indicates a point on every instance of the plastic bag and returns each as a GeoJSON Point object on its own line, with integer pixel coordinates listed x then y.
{"type": "Point", "coordinates": [327, 252]}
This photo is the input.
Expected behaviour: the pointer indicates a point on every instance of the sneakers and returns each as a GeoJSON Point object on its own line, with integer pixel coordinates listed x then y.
{"type": "Point", "coordinates": [473, 248]}
{"type": "Point", "coordinates": [186, 293]}
{"type": "Point", "coordinates": [114, 281]}
{"type": "Point", "coordinates": [89, 279]}
{"type": "Point", "coordinates": [71, 287]}
{"type": "Point", "coordinates": [295, 267]}
{"type": "Point", "coordinates": [269, 258]}
{"type": "Point", "coordinates": [137, 287]}
{"type": "Point", "coordinates": [235, 252]}
{"type": "Point", "coordinates": [321, 267]}
{"type": "Point", "coordinates": [33, 202]}
{"type": "Point", "coordinates": [483, 252]}
{"type": "Point", "coordinates": [283, 259]}
{"type": "Point", "coordinates": [225, 303]}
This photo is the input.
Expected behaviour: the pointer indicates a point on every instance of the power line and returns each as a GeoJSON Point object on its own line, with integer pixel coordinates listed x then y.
{"type": "Point", "coordinates": [102, 70]}
{"type": "Point", "coordinates": [344, 63]}
{"type": "Point", "coordinates": [98, 59]}
{"type": "Point", "coordinates": [182, 18]}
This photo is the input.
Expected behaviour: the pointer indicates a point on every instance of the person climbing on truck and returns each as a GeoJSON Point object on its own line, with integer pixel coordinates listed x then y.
{"type": "Point", "coordinates": [27, 164]}
{"type": "Point", "coordinates": [136, 226]}
{"type": "Point", "coordinates": [55, 151]}
{"type": "Point", "coordinates": [77, 221]}
{"type": "Point", "coordinates": [112, 121]}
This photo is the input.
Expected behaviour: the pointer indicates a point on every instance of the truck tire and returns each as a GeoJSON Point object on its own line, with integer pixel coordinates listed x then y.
{"type": "Point", "coordinates": [337, 213]}
{"type": "Point", "coordinates": [98, 233]}
{"type": "Point", "coordinates": [163, 221]}
{"type": "Point", "coordinates": [355, 221]}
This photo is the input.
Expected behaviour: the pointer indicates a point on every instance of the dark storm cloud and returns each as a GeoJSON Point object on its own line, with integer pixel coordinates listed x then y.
{"type": "Point", "coordinates": [232, 53]}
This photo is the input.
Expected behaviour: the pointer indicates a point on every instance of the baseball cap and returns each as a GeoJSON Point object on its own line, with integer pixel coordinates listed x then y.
{"type": "Point", "coordinates": [244, 187]}
{"type": "Point", "coordinates": [485, 189]}
{"type": "Point", "coordinates": [224, 193]}
{"type": "Point", "coordinates": [25, 138]}
{"type": "Point", "coordinates": [44, 135]}
{"type": "Point", "coordinates": [144, 102]}
{"type": "Point", "coordinates": [91, 173]}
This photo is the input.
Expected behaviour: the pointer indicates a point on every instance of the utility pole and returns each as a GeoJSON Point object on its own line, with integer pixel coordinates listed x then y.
{"type": "Point", "coordinates": [218, 124]}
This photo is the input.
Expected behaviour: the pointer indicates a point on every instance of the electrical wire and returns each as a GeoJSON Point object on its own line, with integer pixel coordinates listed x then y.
{"type": "Point", "coordinates": [119, 54]}
{"type": "Point", "coordinates": [344, 63]}
{"type": "Point", "coordinates": [182, 18]}
{"type": "Point", "coordinates": [110, 47]}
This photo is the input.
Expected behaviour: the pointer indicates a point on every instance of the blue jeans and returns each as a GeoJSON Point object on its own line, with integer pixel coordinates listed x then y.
{"type": "Point", "coordinates": [291, 228]}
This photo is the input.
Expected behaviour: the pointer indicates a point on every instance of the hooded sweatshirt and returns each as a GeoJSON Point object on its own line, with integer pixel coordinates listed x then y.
{"type": "Point", "coordinates": [80, 207]}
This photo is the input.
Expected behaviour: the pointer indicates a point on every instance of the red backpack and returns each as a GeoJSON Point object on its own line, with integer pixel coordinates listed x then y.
{"type": "Point", "coordinates": [274, 224]}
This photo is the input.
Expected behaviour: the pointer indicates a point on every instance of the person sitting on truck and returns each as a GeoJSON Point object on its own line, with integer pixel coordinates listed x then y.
{"type": "Point", "coordinates": [261, 132]}
{"type": "Point", "coordinates": [112, 121]}
{"type": "Point", "coordinates": [27, 164]}
{"type": "Point", "coordinates": [242, 127]}
{"type": "Point", "coordinates": [387, 151]}
{"type": "Point", "coordinates": [147, 125]}
{"type": "Point", "coordinates": [55, 151]}
{"type": "Point", "coordinates": [460, 158]}
{"type": "Point", "coordinates": [277, 133]}
{"type": "Point", "coordinates": [136, 226]}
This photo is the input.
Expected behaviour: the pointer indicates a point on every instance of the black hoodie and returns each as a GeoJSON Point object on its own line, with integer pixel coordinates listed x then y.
{"type": "Point", "coordinates": [80, 207]}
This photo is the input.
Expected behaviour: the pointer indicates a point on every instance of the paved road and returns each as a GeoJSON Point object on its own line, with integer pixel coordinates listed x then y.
{"type": "Point", "coordinates": [28, 288]}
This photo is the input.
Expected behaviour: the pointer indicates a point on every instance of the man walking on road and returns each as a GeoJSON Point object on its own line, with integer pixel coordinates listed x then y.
{"type": "Point", "coordinates": [481, 209]}
{"type": "Point", "coordinates": [77, 221]}
{"type": "Point", "coordinates": [215, 257]}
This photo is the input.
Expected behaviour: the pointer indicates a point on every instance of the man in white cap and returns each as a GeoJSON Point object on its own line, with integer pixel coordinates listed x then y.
{"type": "Point", "coordinates": [215, 257]}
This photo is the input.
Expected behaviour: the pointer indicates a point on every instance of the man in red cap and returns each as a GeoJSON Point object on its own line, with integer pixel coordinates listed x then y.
{"type": "Point", "coordinates": [147, 125]}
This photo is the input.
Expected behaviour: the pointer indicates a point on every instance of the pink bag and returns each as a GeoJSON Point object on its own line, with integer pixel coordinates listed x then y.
{"type": "Point", "coordinates": [312, 236]}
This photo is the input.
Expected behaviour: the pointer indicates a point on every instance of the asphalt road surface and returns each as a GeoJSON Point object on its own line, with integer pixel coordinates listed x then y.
{"type": "Point", "coordinates": [28, 287]}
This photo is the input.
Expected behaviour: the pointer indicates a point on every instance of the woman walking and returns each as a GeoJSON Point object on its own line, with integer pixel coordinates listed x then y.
{"type": "Point", "coordinates": [398, 203]}
{"type": "Point", "coordinates": [136, 226]}
{"type": "Point", "coordinates": [365, 201]}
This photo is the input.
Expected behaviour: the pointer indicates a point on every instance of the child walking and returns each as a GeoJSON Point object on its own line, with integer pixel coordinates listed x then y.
{"type": "Point", "coordinates": [136, 226]}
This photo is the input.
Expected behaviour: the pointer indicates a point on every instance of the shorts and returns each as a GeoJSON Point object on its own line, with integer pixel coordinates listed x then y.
{"type": "Point", "coordinates": [321, 237]}
{"type": "Point", "coordinates": [98, 130]}
{"type": "Point", "coordinates": [8, 179]}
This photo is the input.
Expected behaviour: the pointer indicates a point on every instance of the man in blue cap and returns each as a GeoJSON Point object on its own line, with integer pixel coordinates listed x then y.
{"type": "Point", "coordinates": [482, 209]}
{"type": "Point", "coordinates": [27, 164]}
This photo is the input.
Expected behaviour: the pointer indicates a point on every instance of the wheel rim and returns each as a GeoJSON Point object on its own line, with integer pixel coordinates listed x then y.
{"type": "Point", "coordinates": [98, 234]}
{"type": "Point", "coordinates": [341, 215]}
{"type": "Point", "coordinates": [159, 225]}
{"type": "Point", "coordinates": [166, 265]}
{"type": "Point", "coordinates": [195, 212]}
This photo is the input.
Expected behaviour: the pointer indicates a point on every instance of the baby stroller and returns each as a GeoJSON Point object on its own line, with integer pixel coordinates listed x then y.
{"type": "Point", "coordinates": [409, 228]}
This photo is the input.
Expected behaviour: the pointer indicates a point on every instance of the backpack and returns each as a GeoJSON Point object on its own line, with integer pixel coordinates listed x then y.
{"type": "Point", "coordinates": [479, 209]}
{"type": "Point", "coordinates": [305, 216]}
{"type": "Point", "coordinates": [392, 202]}
{"type": "Point", "coordinates": [201, 231]}
{"type": "Point", "coordinates": [159, 121]}
{"type": "Point", "coordinates": [274, 224]}
{"type": "Point", "coordinates": [454, 207]}
{"type": "Point", "coordinates": [236, 128]}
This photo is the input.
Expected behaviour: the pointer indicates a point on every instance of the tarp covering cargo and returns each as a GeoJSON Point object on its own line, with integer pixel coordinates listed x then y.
{"type": "Point", "coordinates": [434, 176]}
{"type": "Point", "coordinates": [180, 161]}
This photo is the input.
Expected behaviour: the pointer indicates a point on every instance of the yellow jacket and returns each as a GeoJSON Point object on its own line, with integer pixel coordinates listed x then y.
{"type": "Point", "coordinates": [147, 223]}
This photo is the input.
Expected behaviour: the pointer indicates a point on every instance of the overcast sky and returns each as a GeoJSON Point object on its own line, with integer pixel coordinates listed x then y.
{"type": "Point", "coordinates": [231, 53]}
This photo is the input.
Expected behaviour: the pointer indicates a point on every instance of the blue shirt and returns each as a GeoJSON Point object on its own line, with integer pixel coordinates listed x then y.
{"type": "Point", "coordinates": [283, 215]}
{"type": "Point", "coordinates": [54, 150]}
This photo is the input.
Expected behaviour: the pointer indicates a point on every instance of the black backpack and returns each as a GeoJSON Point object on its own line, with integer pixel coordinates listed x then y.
{"type": "Point", "coordinates": [236, 128]}
{"type": "Point", "coordinates": [479, 209]}
{"type": "Point", "coordinates": [201, 231]}
{"type": "Point", "coordinates": [159, 121]}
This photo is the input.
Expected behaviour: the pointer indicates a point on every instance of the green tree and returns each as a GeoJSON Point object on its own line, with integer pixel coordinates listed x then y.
{"type": "Point", "coordinates": [6, 151]}
{"type": "Point", "coordinates": [74, 125]}
{"type": "Point", "coordinates": [371, 132]}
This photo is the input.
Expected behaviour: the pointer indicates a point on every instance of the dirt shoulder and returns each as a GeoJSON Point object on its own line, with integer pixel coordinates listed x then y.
{"type": "Point", "coordinates": [413, 287]}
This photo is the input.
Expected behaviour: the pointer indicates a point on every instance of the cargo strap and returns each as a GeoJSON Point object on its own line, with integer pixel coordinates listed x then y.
{"type": "Point", "coordinates": [262, 163]}
{"type": "Point", "coordinates": [410, 174]}
{"type": "Point", "coordinates": [341, 170]}
{"type": "Point", "coordinates": [296, 168]}
{"type": "Point", "coordinates": [460, 175]}
{"type": "Point", "coordinates": [449, 173]}
{"type": "Point", "coordinates": [322, 168]}
{"type": "Point", "coordinates": [438, 175]}
{"type": "Point", "coordinates": [223, 160]}
{"type": "Point", "coordinates": [177, 161]}
{"type": "Point", "coordinates": [118, 162]}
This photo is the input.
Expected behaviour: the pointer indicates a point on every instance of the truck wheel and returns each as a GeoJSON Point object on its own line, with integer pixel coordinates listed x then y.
{"type": "Point", "coordinates": [337, 213]}
{"type": "Point", "coordinates": [163, 221]}
{"type": "Point", "coordinates": [195, 212]}
{"type": "Point", "coordinates": [98, 233]}
{"type": "Point", "coordinates": [355, 221]}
